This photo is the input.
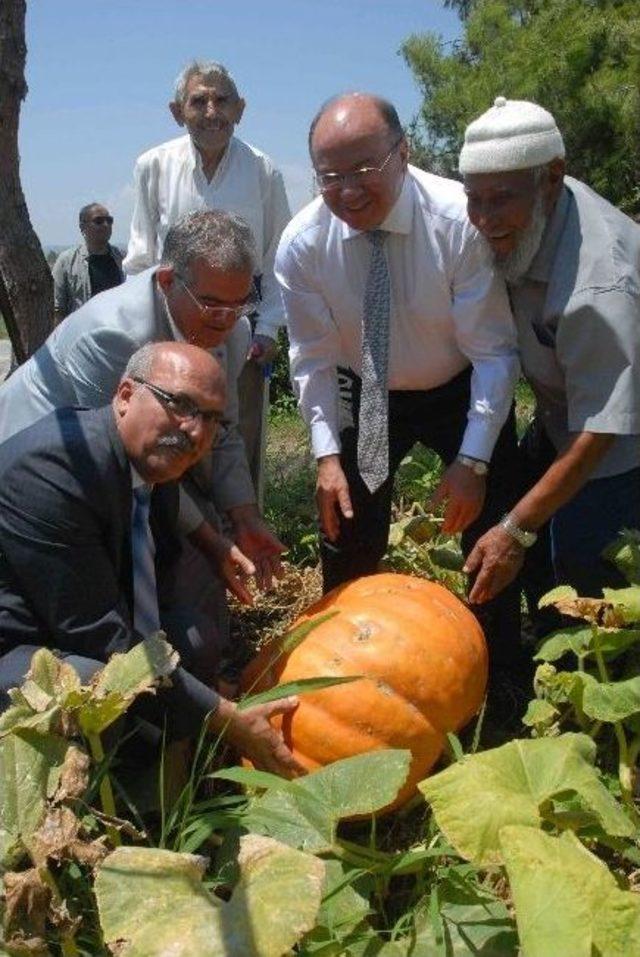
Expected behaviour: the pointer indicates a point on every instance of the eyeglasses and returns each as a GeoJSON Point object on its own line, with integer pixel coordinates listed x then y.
{"type": "Point", "coordinates": [222, 312]}
{"type": "Point", "coordinates": [358, 177]}
{"type": "Point", "coordinates": [101, 220]}
{"type": "Point", "coordinates": [181, 406]}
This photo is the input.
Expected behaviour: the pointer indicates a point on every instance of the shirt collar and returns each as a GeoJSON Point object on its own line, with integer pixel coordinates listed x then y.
{"type": "Point", "coordinates": [399, 220]}
{"type": "Point", "coordinates": [196, 159]}
{"type": "Point", "coordinates": [540, 268]}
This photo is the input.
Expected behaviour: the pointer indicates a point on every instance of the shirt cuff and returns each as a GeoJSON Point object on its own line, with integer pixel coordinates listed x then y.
{"type": "Point", "coordinates": [323, 441]}
{"type": "Point", "coordinates": [478, 440]}
{"type": "Point", "coordinates": [189, 702]}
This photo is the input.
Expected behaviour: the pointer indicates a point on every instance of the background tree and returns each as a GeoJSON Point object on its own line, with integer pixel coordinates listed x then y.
{"type": "Point", "coordinates": [26, 286]}
{"type": "Point", "coordinates": [578, 58]}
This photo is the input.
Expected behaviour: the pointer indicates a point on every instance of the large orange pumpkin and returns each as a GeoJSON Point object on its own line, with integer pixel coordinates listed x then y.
{"type": "Point", "coordinates": [423, 658]}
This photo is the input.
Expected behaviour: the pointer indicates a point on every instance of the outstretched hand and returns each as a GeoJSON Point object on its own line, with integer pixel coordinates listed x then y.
{"type": "Point", "coordinates": [497, 558]}
{"type": "Point", "coordinates": [463, 491]}
{"type": "Point", "coordinates": [252, 735]}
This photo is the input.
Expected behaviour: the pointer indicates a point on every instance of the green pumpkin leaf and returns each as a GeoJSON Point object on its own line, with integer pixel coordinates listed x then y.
{"type": "Point", "coordinates": [626, 603]}
{"type": "Point", "coordinates": [624, 552]}
{"type": "Point", "coordinates": [476, 797]}
{"type": "Point", "coordinates": [307, 815]}
{"type": "Point", "coordinates": [579, 641]}
{"type": "Point", "coordinates": [609, 701]}
{"type": "Point", "coordinates": [30, 767]}
{"type": "Point", "coordinates": [566, 900]}
{"type": "Point", "coordinates": [539, 713]}
{"type": "Point", "coordinates": [444, 556]}
{"type": "Point", "coordinates": [153, 902]}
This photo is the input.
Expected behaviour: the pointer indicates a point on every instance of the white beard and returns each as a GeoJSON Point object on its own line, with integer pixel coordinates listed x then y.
{"type": "Point", "coordinates": [515, 266]}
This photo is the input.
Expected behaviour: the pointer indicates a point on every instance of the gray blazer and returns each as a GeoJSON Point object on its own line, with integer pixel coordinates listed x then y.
{"type": "Point", "coordinates": [71, 279]}
{"type": "Point", "coordinates": [81, 362]}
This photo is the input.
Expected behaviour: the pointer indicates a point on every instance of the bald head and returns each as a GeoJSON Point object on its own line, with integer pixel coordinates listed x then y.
{"type": "Point", "coordinates": [168, 406]}
{"type": "Point", "coordinates": [360, 157]}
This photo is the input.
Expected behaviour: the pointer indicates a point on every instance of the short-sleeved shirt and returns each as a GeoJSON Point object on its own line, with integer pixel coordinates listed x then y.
{"type": "Point", "coordinates": [577, 311]}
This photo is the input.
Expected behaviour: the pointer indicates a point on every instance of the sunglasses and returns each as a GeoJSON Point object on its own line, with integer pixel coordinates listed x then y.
{"type": "Point", "coordinates": [101, 220]}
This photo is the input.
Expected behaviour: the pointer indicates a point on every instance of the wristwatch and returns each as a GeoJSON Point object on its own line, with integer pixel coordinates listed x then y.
{"type": "Point", "coordinates": [522, 537]}
{"type": "Point", "coordinates": [476, 465]}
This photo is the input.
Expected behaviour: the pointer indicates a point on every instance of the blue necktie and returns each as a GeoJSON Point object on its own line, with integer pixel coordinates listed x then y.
{"type": "Point", "coordinates": [146, 619]}
{"type": "Point", "coordinates": [373, 427]}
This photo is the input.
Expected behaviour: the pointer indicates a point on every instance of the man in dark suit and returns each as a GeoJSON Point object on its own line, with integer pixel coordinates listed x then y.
{"type": "Point", "coordinates": [68, 497]}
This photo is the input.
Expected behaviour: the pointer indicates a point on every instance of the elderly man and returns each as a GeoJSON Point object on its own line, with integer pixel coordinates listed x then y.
{"type": "Point", "coordinates": [572, 265]}
{"type": "Point", "coordinates": [198, 293]}
{"type": "Point", "coordinates": [399, 333]}
{"type": "Point", "coordinates": [85, 270]}
{"type": "Point", "coordinates": [206, 169]}
{"type": "Point", "coordinates": [85, 525]}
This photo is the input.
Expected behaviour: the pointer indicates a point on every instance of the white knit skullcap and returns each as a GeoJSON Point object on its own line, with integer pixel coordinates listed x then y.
{"type": "Point", "coordinates": [513, 134]}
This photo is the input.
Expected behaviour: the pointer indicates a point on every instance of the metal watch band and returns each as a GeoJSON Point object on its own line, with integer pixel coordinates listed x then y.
{"type": "Point", "coordinates": [476, 465]}
{"type": "Point", "coordinates": [524, 538]}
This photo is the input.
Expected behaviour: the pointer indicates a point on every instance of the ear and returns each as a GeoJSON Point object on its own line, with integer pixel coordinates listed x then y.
{"type": "Point", "coordinates": [165, 276]}
{"type": "Point", "coordinates": [239, 110]}
{"type": "Point", "coordinates": [176, 112]}
{"type": "Point", "coordinates": [403, 150]}
{"type": "Point", "coordinates": [122, 397]}
{"type": "Point", "coordinates": [554, 181]}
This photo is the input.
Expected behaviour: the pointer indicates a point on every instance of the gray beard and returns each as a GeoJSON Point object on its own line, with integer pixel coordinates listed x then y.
{"type": "Point", "coordinates": [516, 265]}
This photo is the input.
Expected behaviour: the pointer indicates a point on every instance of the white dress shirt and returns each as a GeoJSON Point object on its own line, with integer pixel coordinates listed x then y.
{"type": "Point", "coordinates": [448, 309]}
{"type": "Point", "coordinates": [169, 182]}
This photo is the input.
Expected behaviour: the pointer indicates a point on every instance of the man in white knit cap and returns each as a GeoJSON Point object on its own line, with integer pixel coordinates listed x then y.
{"type": "Point", "coordinates": [572, 266]}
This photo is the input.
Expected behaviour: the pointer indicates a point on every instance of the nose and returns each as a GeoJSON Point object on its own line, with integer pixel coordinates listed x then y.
{"type": "Point", "coordinates": [350, 189]}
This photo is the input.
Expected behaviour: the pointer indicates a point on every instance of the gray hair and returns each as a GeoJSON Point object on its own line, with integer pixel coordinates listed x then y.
{"type": "Point", "coordinates": [141, 362]}
{"type": "Point", "coordinates": [222, 239]}
{"type": "Point", "coordinates": [208, 70]}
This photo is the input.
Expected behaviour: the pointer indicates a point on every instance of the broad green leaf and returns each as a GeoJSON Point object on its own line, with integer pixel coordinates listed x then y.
{"type": "Point", "coordinates": [539, 713]}
{"type": "Point", "coordinates": [561, 593]}
{"type": "Point", "coordinates": [30, 766]}
{"type": "Point", "coordinates": [136, 671]}
{"type": "Point", "coordinates": [301, 686]}
{"type": "Point", "coordinates": [342, 911]}
{"type": "Point", "coordinates": [49, 680]}
{"type": "Point", "coordinates": [476, 797]}
{"type": "Point", "coordinates": [626, 602]}
{"type": "Point", "coordinates": [251, 778]}
{"type": "Point", "coordinates": [579, 641]}
{"type": "Point", "coordinates": [96, 714]}
{"type": "Point", "coordinates": [609, 701]}
{"type": "Point", "coordinates": [444, 556]}
{"type": "Point", "coordinates": [306, 816]}
{"type": "Point", "coordinates": [624, 552]}
{"type": "Point", "coordinates": [566, 900]}
{"type": "Point", "coordinates": [472, 921]}
{"type": "Point", "coordinates": [152, 902]}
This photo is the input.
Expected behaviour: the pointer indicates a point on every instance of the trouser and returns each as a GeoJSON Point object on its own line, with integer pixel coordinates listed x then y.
{"type": "Point", "coordinates": [437, 418]}
{"type": "Point", "coordinates": [180, 707]}
{"type": "Point", "coordinates": [569, 547]}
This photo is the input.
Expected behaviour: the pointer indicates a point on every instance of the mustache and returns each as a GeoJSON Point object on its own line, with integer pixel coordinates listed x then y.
{"type": "Point", "coordinates": [176, 440]}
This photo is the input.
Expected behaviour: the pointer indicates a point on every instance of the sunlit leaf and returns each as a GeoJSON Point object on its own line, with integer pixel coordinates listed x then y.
{"type": "Point", "coordinates": [566, 900]}
{"type": "Point", "coordinates": [626, 602]}
{"type": "Point", "coordinates": [476, 797]}
{"type": "Point", "coordinates": [561, 593]}
{"type": "Point", "coordinates": [138, 669]}
{"type": "Point", "coordinates": [153, 902]}
{"type": "Point", "coordinates": [609, 701]}
{"type": "Point", "coordinates": [624, 552]}
{"type": "Point", "coordinates": [580, 642]}
{"type": "Point", "coordinates": [539, 713]}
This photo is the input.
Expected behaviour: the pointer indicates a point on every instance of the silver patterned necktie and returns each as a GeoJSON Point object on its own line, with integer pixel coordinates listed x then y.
{"type": "Point", "coordinates": [373, 429]}
{"type": "Point", "coordinates": [146, 619]}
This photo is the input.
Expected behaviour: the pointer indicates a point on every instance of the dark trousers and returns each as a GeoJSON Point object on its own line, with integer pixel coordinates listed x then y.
{"type": "Point", "coordinates": [569, 547]}
{"type": "Point", "coordinates": [437, 418]}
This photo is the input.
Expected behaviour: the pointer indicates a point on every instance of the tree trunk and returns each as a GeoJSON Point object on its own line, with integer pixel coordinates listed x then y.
{"type": "Point", "coordinates": [26, 286]}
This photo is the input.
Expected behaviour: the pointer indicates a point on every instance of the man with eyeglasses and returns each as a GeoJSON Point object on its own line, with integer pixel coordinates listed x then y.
{"type": "Point", "coordinates": [89, 268]}
{"type": "Point", "coordinates": [87, 545]}
{"type": "Point", "coordinates": [212, 168]}
{"type": "Point", "coordinates": [400, 333]}
{"type": "Point", "coordinates": [199, 293]}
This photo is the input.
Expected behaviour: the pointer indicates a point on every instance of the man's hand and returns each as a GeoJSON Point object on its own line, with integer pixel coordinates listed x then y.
{"type": "Point", "coordinates": [497, 558]}
{"type": "Point", "coordinates": [464, 492]}
{"type": "Point", "coordinates": [332, 494]}
{"type": "Point", "coordinates": [228, 561]}
{"type": "Point", "coordinates": [255, 539]}
{"type": "Point", "coordinates": [251, 734]}
{"type": "Point", "coordinates": [263, 350]}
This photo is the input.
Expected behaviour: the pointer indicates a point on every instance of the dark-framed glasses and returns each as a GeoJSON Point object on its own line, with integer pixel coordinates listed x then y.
{"type": "Point", "coordinates": [220, 311]}
{"type": "Point", "coordinates": [355, 177]}
{"type": "Point", "coordinates": [102, 220]}
{"type": "Point", "coordinates": [184, 408]}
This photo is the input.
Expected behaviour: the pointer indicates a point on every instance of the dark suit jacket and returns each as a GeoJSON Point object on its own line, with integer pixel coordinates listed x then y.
{"type": "Point", "coordinates": [65, 524]}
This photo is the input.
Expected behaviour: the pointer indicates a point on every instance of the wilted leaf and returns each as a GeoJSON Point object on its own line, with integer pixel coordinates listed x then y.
{"type": "Point", "coordinates": [626, 603]}
{"type": "Point", "coordinates": [152, 902]}
{"type": "Point", "coordinates": [27, 900]}
{"type": "Point", "coordinates": [30, 765]}
{"type": "Point", "coordinates": [48, 680]}
{"type": "Point", "coordinates": [420, 528]}
{"type": "Point", "coordinates": [136, 671]}
{"type": "Point", "coordinates": [307, 814]}
{"type": "Point", "coordinates": [566, 900]}
{"type": "Point", "coordinates": [476, 797]}
{"type": "Point", "coordinates": [74, 777]}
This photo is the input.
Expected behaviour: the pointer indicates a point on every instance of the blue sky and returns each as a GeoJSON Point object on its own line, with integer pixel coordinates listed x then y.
{"type": "Point", "coordinates": [101, 74]}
